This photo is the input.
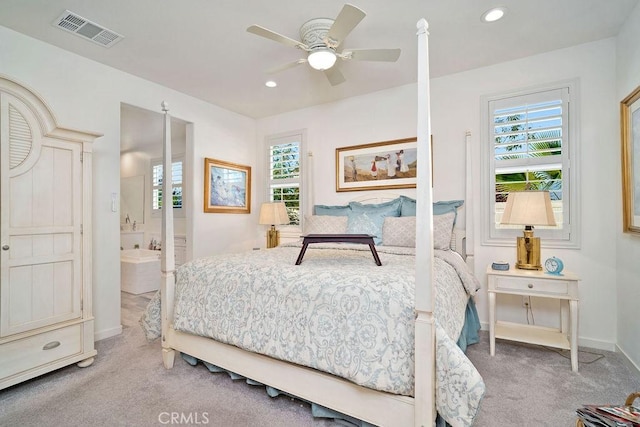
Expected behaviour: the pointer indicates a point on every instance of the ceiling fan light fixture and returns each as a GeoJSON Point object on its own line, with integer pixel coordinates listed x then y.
{"type": "Point", "coordinates": [322, 59]}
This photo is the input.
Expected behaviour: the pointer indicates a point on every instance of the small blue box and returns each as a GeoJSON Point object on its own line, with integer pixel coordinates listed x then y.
{"type": "Point", "coordinates": [500, 265]}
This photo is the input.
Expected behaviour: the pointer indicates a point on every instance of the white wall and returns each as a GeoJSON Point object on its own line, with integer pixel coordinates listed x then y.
{"type": "Point", "coordinates": [58, 77]}
{"type": "Point", "coordinates": [354, 121]}
{"type": "Point", "coordinates": [627, 246]}
{"type": "Point", "coordinates": [86, 95]}
{"type": "Point", "coordinates": [391, 114]}
{"type": "Point", "coordinates": [594, 262]}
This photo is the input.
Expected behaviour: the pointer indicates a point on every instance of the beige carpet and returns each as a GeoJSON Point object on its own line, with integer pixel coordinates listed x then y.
{"type": "Point", "coordinates": [128, 386]}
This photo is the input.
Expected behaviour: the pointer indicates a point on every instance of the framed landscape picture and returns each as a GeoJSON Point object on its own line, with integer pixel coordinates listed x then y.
{"type": "Point", "coordinates": [630, 128]}
{"type": "Point", "coordinates": [377, 166]}
{"type": "Point", "coordinates": [227, 187]}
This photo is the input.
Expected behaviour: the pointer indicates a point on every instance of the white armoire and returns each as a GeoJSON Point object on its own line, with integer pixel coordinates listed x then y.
{"type": "Point", "coordinates": [46, 319]}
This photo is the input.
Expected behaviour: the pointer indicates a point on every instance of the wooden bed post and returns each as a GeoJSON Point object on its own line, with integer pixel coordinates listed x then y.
{"type": "Point", "coordinates": [469, 202]}
{"type": "Point", "coordinates": [167, 260]}
{"type": "Point", "coordinates": [424, 402]}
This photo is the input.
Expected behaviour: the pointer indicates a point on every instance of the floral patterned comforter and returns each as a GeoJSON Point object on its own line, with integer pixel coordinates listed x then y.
{"type": "Point", "coordinates": [337, 312]}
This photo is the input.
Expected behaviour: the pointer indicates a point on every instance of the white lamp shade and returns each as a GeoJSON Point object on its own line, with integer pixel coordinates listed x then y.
{"type": "Point", "coordinates": [528, 208]}
{"type": "Point", "coordinates": [273, 214]}
{"type": "Point", "coordinates": [322, 59]}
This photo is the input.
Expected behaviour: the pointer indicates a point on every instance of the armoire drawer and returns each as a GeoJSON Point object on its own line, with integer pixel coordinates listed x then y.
{"type": "Point", "coordinates": [27, 353]}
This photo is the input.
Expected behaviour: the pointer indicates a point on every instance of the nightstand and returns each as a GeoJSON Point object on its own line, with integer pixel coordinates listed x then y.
{"type": "Point", "coordinates": [536, 284]}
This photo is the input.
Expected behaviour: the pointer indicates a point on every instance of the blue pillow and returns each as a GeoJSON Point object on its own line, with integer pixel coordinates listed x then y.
{"type": "Point", "coordinates": [408, 206]}
{"type": "Point", "coordinates": [331, 210]}
{"type": "Point", "coordinates": [391, 205]}
{"type": "Point", "coordinates": [369, 219]}
{"type": "Point", "coordinates": [441, 208]}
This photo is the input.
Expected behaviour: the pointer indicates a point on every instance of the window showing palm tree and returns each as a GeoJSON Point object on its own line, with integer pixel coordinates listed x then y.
{"type": "Point", "coordinates": [285, 178]}
{"type": "Point", "coordinates": [528, 151]}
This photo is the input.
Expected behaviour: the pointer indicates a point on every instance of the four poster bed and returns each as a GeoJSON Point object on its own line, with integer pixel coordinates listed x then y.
{"type": "Point", "coordinates": [338, 292]}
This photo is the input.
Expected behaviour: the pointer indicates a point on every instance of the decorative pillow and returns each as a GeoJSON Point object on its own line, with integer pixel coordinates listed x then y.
{"type": "Point", "coordinates": [443, 230]}
{"type": "Point", "coordinates": [407, 206]}
{"type": "Point", "coordinates": [390, 206]}
{"type": "Point", "coordinates": [325, 224]}
{"type": "Point", "coordinates": [399, 231]}
{"type": "Point", "coordinates": [369, 219]}
{"type": "Point", "coordinates": [331, 210]}
{"type": "Point", "coordinates": [443, 207]}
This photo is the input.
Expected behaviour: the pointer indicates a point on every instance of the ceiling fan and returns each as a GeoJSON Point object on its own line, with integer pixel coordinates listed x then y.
{"type": "Point", "coordinates": [321, 39]}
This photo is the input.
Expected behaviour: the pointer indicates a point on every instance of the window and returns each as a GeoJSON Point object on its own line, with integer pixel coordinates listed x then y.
{"type": "Point", "coordinates": [530, 144]}
{"type": "Point", "coordinates": [284, 157]}
{"type": "Point", "coordinates": [177, 184]}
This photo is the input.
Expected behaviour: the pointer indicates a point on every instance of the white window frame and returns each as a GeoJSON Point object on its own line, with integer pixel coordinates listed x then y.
{"type": "Point", "coordinates": [568, 236]}
{"type": "Point", "coordinates": [177, 212]}
{"type": "Point", "coordinates": [284, 138]}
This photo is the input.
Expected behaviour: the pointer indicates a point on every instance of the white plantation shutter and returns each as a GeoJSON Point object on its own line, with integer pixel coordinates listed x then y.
{"type": "Point", "coordinates": [285, 173]}
{"type": "Point", "coordinates": [177, 185]}
{"type": "Point", "coordinates": [529, 143]}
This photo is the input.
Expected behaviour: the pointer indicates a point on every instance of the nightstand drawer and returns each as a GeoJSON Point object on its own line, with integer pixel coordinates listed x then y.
{"type": "Point", "coordinates": [532, 285]}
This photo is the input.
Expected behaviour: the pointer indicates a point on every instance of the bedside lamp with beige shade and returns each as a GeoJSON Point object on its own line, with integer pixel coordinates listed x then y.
{"type": "Point", "coordinates": [274, 213]}
{"type": "Point", "coordinates": [528, 208]}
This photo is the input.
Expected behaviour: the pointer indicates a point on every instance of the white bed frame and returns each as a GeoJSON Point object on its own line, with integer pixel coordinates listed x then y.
{"type": "Point", "coordinates": [372, 406]}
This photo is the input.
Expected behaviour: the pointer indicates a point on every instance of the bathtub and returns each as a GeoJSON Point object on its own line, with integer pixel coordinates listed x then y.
{"type": "Point", "coordinates": [139, 270]}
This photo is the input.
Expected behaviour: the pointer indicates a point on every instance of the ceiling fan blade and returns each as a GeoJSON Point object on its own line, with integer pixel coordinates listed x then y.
{"type": "Point", "coordinates": [283, 67]}
{"type": "Point", "coordinates": [389, 55]}
{"type": "Point", "coordinates": [334, 76]}
{"type": "Point", "coordinates": [345, 22]}
{"type": "Point", "coordinates": [272, 35]}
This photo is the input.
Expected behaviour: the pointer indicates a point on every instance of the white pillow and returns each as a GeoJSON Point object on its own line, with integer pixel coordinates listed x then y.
{"type": "Point", "coordinates": [325, 224]}
{"type": "Point", "coordinates": [443, 230]}
{"type": "Point", "coordinates": [399, 231]}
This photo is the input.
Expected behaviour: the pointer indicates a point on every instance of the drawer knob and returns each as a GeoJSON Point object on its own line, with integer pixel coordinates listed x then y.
{"type": "Point", "coordinates": [5, 247]}
{"type": "Point", "coordinates": [52, 344]}
{"type": "Point", "coordinates": [530, 285]}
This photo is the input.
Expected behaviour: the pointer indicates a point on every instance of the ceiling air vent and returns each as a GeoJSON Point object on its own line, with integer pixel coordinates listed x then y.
{"type": "Point", "coordinates": [76, 24]}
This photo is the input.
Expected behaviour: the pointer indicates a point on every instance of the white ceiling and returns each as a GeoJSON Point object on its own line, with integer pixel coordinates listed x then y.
{"type": "Point", "coordinates": [201, 47]}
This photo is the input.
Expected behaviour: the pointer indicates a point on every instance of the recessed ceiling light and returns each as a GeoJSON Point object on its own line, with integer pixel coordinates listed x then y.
{"type": "Point", "coordinates": [271, 83]}
{"type": "Point", "coordinates": [494, 14]}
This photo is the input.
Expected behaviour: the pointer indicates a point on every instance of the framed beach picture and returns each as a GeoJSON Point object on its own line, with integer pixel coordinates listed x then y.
{"type": "Point", "coordinates": [377, 166]}
{"type": "Point", "coordinates": [630, 127]}
{"type": "Point", "coordinates": [227, 187]}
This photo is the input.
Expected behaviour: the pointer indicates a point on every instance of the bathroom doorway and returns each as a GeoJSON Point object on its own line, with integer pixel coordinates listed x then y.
{"type": "Point", "coordinates": [141, 147]}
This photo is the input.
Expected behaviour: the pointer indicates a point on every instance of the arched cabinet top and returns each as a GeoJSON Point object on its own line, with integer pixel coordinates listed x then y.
{"type": "Point", "coordinates": [45, 118]}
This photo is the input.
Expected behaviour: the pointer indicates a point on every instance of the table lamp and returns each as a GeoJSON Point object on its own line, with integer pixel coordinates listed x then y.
{"type": "Point", "coordinates": [528, 208]}
{"type": "Point", "coordinates": [273, 214]}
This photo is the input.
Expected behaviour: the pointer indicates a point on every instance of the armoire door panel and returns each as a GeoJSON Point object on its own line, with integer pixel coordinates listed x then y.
{"type": "Point", "coordinates": [42, 221]}
{"type": "Point", "coordinates": [43, 195]}
{"type": "Point", "coordinates": [55, 242]}
{"type": "Point", "coordinates": [46, 319]}
{"type": "Point", "coordinates": [40, 295]}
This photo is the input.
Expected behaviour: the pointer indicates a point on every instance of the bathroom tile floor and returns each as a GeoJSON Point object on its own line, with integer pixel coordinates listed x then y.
{"type": "Point", "coordinates": [132, 307]}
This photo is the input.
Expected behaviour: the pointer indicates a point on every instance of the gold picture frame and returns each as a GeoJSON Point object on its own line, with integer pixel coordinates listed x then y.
{"type": "Point", "coordinates": [630, 128]}
{"type": "Point", "coordinates": [377, 166]}
{"type": "Point", "coordinates": [227, 187]}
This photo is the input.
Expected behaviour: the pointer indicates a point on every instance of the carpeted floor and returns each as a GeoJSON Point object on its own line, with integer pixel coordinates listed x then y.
{"type": "Point", "coordinates": [128, 386]}
{"type": "Point", "coordinates": [534, 386]}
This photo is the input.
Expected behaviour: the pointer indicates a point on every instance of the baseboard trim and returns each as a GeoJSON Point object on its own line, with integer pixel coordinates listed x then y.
{"type": "Point", "coordinates": [632, 364]}
{"type": "Point", "coordinates": [108, 333]}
